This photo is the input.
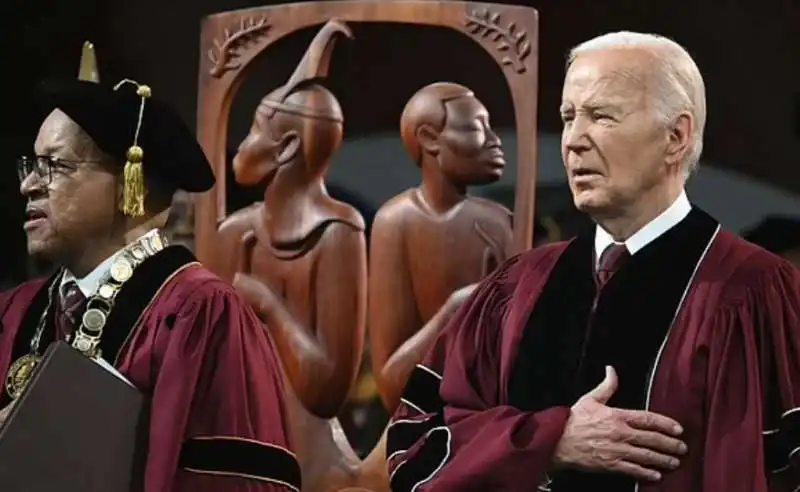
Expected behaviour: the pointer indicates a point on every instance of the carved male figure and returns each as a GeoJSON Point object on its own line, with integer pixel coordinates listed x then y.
{"type": "Point", "coordinates": [658, 352]}
{"type": "Point", "coordinates": [431, 241]}
{"type": "Point", "coordinates": [99, 187]}
{"type": "Point", "coordinates": [301, 258]}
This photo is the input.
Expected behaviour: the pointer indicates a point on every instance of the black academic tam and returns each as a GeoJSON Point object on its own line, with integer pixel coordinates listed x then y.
{"type": "Point", "coordinates": [110, 117]}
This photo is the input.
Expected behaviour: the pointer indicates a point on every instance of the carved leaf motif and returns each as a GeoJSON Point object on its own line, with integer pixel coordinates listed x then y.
{"type": "Point", "coordinates": [473, 28]}
{"type": "Point", "coordinates": [524, 49]}
{"type": "Point", "coordinates": [227, 50]}
{"type": "Point", "coordinates": [508, 39]}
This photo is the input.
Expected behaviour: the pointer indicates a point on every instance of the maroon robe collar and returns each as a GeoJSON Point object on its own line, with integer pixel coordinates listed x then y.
{"type": "Point", "coordinates": [132, 300]}
{"type": "Point", "coordinates": [562, 354]}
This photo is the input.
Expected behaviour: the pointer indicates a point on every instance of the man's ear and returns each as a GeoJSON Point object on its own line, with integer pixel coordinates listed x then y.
{"type": "Point", "coordinates": [288, 148]}
{"type": "Point", "coordinates": [428, 139]}
{"type": "Point", "coordinates": [680, 138]}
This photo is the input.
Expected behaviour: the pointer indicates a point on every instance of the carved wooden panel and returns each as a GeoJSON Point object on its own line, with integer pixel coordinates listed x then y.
{"type": "Point", "coordinates": [231, 40]}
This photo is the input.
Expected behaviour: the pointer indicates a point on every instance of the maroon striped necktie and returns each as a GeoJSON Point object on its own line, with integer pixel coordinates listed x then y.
{"type": "Point", "coordinates": [610, 261]}
{"type": "Point", "coordinates": [68, 316]}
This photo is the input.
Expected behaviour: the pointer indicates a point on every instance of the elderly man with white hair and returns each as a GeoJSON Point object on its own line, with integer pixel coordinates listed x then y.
{"type": "Point", "coordinates": [660, 352]}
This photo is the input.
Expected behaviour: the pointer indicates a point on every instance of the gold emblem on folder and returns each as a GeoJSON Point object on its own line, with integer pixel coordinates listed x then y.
{"type": "Point", "coordinates": [19, 374]}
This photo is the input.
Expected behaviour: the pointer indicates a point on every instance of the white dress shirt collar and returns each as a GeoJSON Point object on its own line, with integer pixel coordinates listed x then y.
{"type": "Point", "coordinates": [668, 219]}
{"type": "Point", "coordinates": [90, 283]}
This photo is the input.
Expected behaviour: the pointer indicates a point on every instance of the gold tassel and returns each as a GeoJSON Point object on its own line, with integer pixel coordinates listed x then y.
{"type": "Point", "coordinates": [133, 175]}
{"type": "Point", "coordinates": [134, 192]}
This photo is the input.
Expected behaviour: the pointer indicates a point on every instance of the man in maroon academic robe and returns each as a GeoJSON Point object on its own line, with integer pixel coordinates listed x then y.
{"type": "Point", "coordinates": [99, 187]}
{"type": "Point", "coordinates": [660, 353]}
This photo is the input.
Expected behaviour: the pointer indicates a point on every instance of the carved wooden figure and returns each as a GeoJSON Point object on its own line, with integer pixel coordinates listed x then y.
{"type": "Point", "coordinates": [232, 40]}
{"type": "Point", "coordinates": [300, 257]}
{"type": "Point", "coordinates": [447, 133]}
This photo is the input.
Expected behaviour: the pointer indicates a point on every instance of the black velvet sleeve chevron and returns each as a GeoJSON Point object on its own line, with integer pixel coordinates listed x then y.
{"type": "Point", "coordinates": [782, 445]}
{"type": "Point", "coordinates": [241, 457]}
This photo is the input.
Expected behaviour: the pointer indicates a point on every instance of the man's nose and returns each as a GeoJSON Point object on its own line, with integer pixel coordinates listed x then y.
{"type": "Point", "coordinates": [576, 138]}
{"type": "Point", "coordinates": [492, 138]}
{"type": "Point", "coordinates": [30, 184]}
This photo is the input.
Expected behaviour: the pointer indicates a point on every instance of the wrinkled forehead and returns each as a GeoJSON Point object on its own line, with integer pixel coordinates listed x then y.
{"type": "Point", "coordinates": [615, 77]}
{"type": "Point", "coordinates": [58, 133]}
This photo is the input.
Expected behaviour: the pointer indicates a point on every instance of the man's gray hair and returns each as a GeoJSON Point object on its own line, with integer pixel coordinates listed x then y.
{"type": "Point", "coordinates": [680, 84]}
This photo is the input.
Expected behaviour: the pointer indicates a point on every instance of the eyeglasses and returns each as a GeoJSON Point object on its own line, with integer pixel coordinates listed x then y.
{"type": "Point", "coordinates": [44, 167]}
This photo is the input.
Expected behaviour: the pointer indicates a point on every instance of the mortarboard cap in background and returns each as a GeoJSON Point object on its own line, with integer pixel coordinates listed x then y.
{"type": "Point", "coordinates": [777, 234]}
{"type": "Point", "coordinates": [88, 67]}
{"type": "Point", "coordinates": [139, 131]}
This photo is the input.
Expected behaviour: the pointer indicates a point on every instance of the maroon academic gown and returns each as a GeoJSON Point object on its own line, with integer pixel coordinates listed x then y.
{"type": "Point", "coordinates": [185, 339]}
{"type": "Point", "coordinates": [700, 325]}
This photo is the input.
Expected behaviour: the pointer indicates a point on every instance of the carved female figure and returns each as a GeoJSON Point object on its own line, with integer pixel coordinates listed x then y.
{"type": "Point", "coordinates": [300, 258]}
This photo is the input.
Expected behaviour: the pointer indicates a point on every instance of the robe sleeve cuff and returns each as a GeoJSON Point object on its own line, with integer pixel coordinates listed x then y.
{"type": "Point", "coordinates": [782, 445]}
{"type": "Point", "coordinates": [429, 458]}
{"type": "Point", "coordinates": [240, 457]}
{"type": "Point", "coordinates": [423, 433]}
{"type": "Point", "coordinates": [422, 391]}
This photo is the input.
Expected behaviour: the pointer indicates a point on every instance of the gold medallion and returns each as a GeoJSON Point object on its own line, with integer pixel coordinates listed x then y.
{"type": "Point", "coordinates": [19, 374]}
{"type": "Point", "coordinates": [156, 243]}
{"type": "Point", "coordinates": [139, 253]}
{"type": "Point", "coordinates": [106, 291]}
{"type": "Point", "coordinates": [121, 270]}
{"type": "Point", "coordinates": [94, 320]}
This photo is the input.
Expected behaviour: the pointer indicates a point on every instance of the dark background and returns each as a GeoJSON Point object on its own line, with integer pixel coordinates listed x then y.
{"type": "Point", "coordinates": [749, 53]}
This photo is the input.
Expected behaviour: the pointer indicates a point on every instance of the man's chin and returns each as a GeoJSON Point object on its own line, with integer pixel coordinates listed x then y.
{"type": "Point", "coordinates": [483, 179]}
{"type": "Point", "coordinates": [479, 177]}
{"type": "Point", "coordinates": [247, 171]}
{"type": "Point", "coordinates": [590, 201]}
{"type": "Point", "coordinates": [40, 250]}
